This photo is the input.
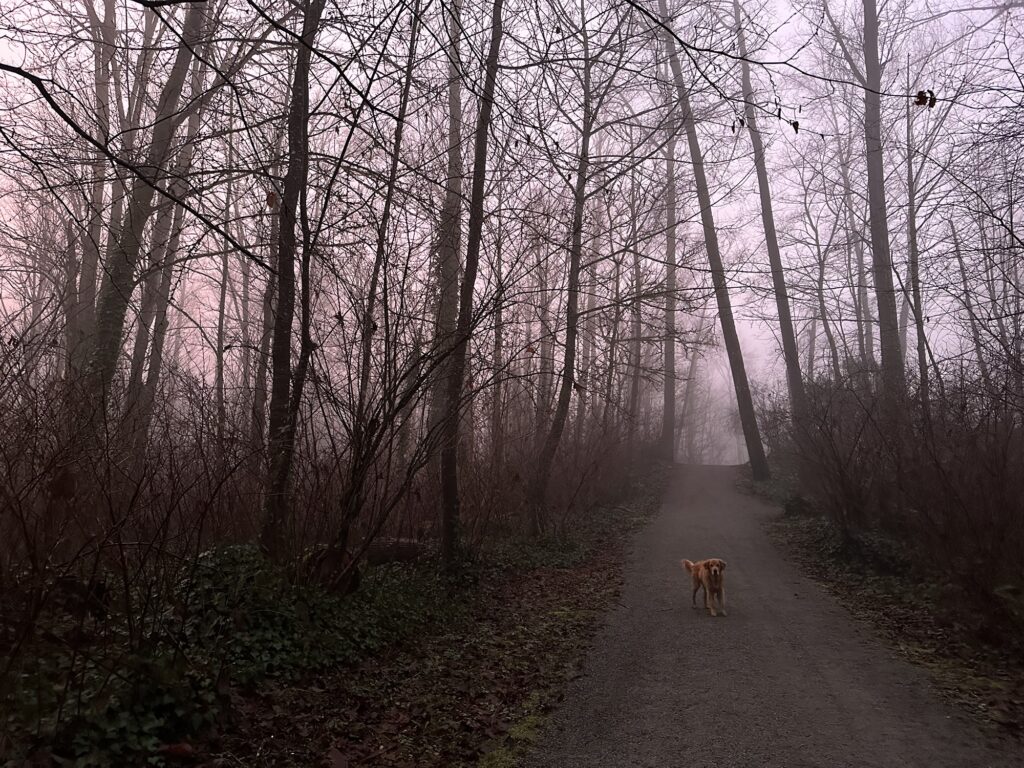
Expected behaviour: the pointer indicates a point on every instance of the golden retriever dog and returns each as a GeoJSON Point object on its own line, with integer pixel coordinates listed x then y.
{"type": "Point", "coordinates": [709, 574]}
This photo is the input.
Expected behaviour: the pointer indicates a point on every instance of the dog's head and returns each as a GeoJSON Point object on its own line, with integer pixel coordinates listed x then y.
{"type": "Point", "coordinates": [715, 567]}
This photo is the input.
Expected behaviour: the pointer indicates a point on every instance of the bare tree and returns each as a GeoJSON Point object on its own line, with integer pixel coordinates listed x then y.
{"type": "Point", "coordinates": [120, 267]}
{"type": "Point", "coordinates": [870, 78]}
{"type": "Point", "coordinates": [450, 223]}
{"type": "Point", "coordinates": [463, 329]}
{"type": "Point", "coordinates": [283, 415]}
{"type": "Point", "coordinates": [752, 436]}
{"type": "Point", "coordinates": [790, 354]}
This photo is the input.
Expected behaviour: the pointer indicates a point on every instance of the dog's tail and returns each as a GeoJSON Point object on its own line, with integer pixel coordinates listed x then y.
{"type": "Point", "coordinates": [687, 565]}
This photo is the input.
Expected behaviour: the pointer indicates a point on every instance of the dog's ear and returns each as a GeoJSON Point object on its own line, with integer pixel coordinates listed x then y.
{"type": "Point", "coordinates": [722, 564]}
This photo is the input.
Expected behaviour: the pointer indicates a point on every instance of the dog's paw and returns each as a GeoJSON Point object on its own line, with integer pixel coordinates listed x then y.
{"type": "Point", "coordinates": [722, 613]}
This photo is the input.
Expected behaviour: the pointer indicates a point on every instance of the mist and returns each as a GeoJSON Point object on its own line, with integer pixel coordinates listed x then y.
{"type": "Point", "coordinates": [343, 284]}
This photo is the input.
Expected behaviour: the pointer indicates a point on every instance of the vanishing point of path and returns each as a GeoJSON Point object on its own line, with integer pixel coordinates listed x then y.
{"type": "Point", "coordinates": [787, 679]}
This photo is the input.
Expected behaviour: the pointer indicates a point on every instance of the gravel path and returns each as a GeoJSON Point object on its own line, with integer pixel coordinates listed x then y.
{"type": "Point", "coordinates": [787, 679]}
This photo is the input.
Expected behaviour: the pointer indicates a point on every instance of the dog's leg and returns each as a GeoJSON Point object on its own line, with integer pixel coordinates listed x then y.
{"type": "Point", "coordinates": [696, 588]}
{"type": "Point", "coordinates": [721, 601]}
{"type": "Point", "coordinates": [709, 600]}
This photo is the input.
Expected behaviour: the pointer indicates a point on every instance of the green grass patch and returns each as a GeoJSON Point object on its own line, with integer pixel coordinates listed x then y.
{"type": "Point", "coordinates": [520, 739]}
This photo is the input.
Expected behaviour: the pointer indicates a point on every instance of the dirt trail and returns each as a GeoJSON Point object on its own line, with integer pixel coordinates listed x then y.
{"type": "Point", "coordinates": [787, 679]}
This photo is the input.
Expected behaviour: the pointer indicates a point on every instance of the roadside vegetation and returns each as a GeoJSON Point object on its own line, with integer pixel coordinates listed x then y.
{"type": "Point", "coordinates": [239, 664]}
{"type": "Point", "coordinates": [972, 646]}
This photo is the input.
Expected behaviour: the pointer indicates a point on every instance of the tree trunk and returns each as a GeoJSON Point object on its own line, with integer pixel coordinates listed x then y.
{"type": "Point", "coordinates": [120, 268]}
{"type": "Point", "coordinates": [246, 342]}
{"type": "Point", "coordinates": [545, 356]}
{"type": "Point", "coordinates": [689, 403]}
{"type": "Point", "coordinates": [84, 316]}
{"type": "Point", "coordinates": [668, 416]}
{"type": "Point", "coordinates": [165, 239]}
{"type": "Point", "coordinates": [219, 352]}
{"type": "Point", "coordinates": [812, 347]}
{"type": "Point", "coordinates": [905, 305]}
{"type": "Point", "coordinates": [855, 241]}
{"type": "Point", "coordinates": [893, 379]}
{"type": "Point", "coordinates": [166, 212]}
{"type": "Point", "coordinates": [979, 350]}
{"type": "Point", "coordinates": [915, 280]}
{"type": "Point", "coordinates": [218, 380]}
{"type": "Point", "coordinates": [586, 383]}
{"type": "Point", "coordinates": [281, 449]}
{"type": "Point", "coordinates": [822, 309]}
{"type": "Point", "coordinates": [463, 329]}
{"type": "Point", "coordinates": [142, 413]}
{"type": "Point", "coordinates": [635, 355]}
{"type": "Point", "coordinates": [498, 356]}
{"type": "Point", "coordinates": [258, 418]}
{"type": "Point", "coordinates": [150, 291]}
{"type": "Point", "coordinates": [745, 403]}
{"type": "Point", "coordinates": [546, 457]}
{"type": "Point", "coordinates": [610, 398]}
{"type": "Point", "coordinates": [449, 227]}
{"type": "Point", "coordinates": [69, 298]}
{"type": "Point", "coordinates": [790, 353]}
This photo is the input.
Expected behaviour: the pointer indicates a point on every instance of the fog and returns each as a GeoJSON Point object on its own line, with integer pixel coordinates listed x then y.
{"type": "Point", "coordinates": [302, 277]}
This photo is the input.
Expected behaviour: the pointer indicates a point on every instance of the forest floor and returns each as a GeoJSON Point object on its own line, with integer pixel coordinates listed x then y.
{"type": "Point", "coordinates": [788, 678]}
{"type": "Point", "coordinates": [472, 689]}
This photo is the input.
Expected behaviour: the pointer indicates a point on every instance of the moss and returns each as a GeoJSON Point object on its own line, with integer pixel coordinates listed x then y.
{"type": "Point", "coordinates": [520, 737]}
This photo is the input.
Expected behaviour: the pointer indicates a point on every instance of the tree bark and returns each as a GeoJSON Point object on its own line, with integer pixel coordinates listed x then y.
{"type": "Point", "coordinates": [635, 349]}
{"type": "Point", "coordinates": [150, 292]}
{"type": "Point", "coordinates": [611, 399]}
{"type": "Point", "coordinates": [812, 348]}
{"type": "Point", "coordinates": [142, 413]}
{"type": "Point", "coordinates": [219, 353]}
{"type": "Point", "coordinates": [689, 403]}
{"type": "Point", "coordinates": [257, 424]}
{"type": "Point", "coordinates": [545, 355]}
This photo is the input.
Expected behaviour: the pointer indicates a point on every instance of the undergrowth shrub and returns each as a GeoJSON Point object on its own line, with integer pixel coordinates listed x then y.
{"type": "Point", "coordinates": [100, 692]}
{"type": "Point", "coordinates": [947, 488]}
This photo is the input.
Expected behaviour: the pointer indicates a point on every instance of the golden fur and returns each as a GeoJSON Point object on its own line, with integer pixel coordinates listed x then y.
{"type": "Point", "coordinates": [709, 574]}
